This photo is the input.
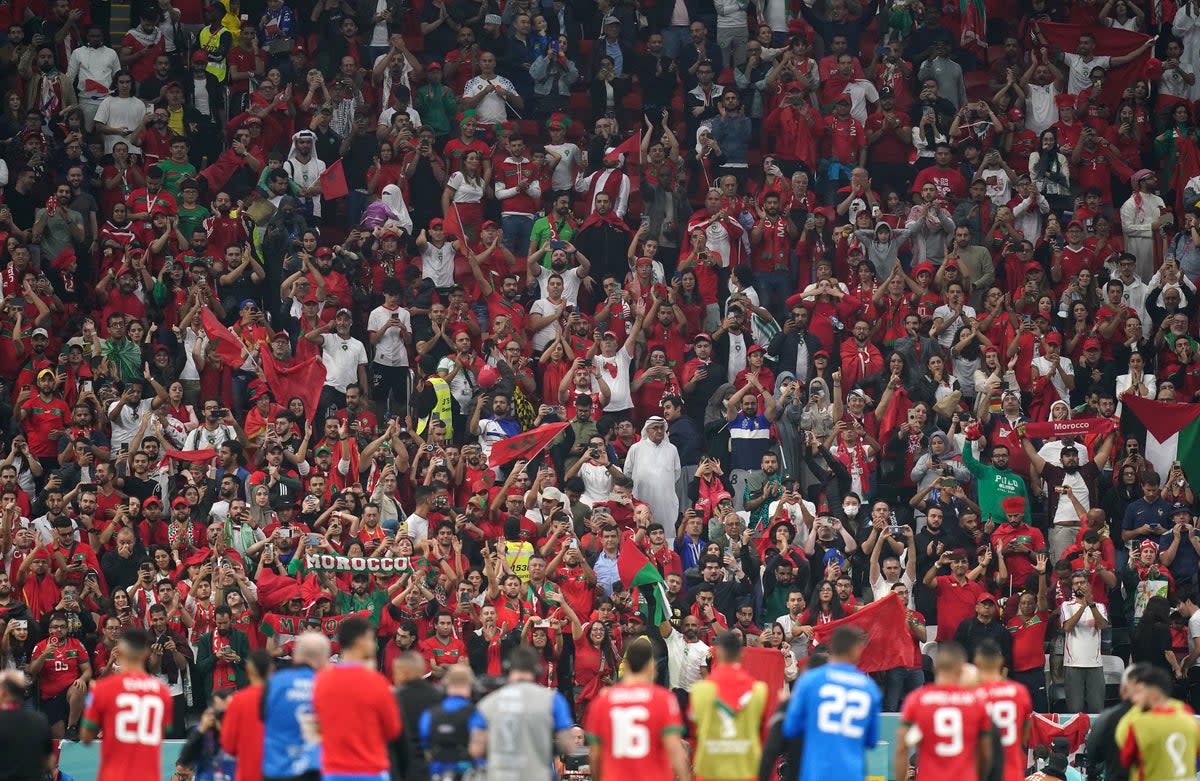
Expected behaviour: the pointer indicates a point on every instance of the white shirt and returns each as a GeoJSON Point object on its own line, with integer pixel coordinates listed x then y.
{"type": "Point", "coordinates": [306, 175]}
{"type": "Point", "coordinates": [563, 177]}
{"type": "Point", "coordinates": [121, 112]}
{"type": "Point", "coordinates": [1065, 368]}
{"type": "Point", "coordinates": [492, 108]}
{"type": "Point", "coordinates": [418, 527]}
{"type": "Point", "coordinates": [1194, 632]}
{"type": "Point", "coordinates": [342, 357]}
{"type": "Point", "coordinates": [385, 118]}
{"type": "Point", "coordinates": [390, 350]}
{"type": "Point", "coordinates": [437, 264]}
{"type": "Point", "coordinates": [1081, 646]}
{"type": "Point", "coordinates": [944, 313]}
{"type": "Point", "coordinates": [597, 483]}
{"type": "Point", "coordinates": [737, 355]}
{"type": "Point", "coordinates": [549, 332]}
{"type": "Point", "coordinates": [379, 30]}
{"type": "Point", "coordinates": [1041, 109]}
{"type": "Point", "coordinates": [98, 65]}
{"type": "Point", "coordinates": [465, 191]}
{"type": "Point", "coordinates": [620, 398]}
{"type": "Point", "coordinates": [687, 662]}
{"type": "Point", "coordinates": [570, 278]}
{"type": "Point", "coordinates": [200, 96]}
{"type": "Point", "coordinates": [1079, 73]}
{"type": "Point", "coordinates": [127, 422]}
{"type": "Point", "coordinates": [861, 93]}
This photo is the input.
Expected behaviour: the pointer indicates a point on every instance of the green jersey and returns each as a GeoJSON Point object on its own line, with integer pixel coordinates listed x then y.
{"type": "Point", "coordinates": [1159, 744]}
{"type": "Point", "coordinates": [994, 486]}
{"type": "Point", "coordinates": [174, 173]}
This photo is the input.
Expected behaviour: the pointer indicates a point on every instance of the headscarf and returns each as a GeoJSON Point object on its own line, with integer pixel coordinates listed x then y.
{"type": "Point", "coordinates": [390, 208]}
{"type": "Point", "coordinates": [308, 134]}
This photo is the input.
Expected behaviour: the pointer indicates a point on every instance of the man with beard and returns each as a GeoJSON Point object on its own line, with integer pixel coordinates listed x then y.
{"type": "Point", "coordinates": [701, 377]}
{"type": "Point", "coordinates": [604, 236]}
{"type": "Point", "coordinates": [217, 426]}
{"type": "Point", "coordinates": [224, 229]}
{"type": "Point", "coordinates": [221, 655]}
{"type": "Point", "coordinates": [688, 656]}
{"type": "Point", "coordinates": [565, 261]}
{"type": "Point", "coordinates": [956, 592]}
{"type": "Point", "coordinates": [1141, 221]}
{"type": "Point", "coordinates": [43, 418]}
{"type": "Point", "coordinates": [653, 465]}
{"type": "Point", "coordinates": [770, 240]}
{"type": "Point", "coordinates": [11, 608]}
{"type": "Point", "coordinates": [1081, 479]}
{"type": "Point", "coordinates": [502, 301]}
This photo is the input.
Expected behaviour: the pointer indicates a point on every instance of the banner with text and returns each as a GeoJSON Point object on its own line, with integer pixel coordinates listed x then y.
{"type": "Point", "coordinates": [327, 562]}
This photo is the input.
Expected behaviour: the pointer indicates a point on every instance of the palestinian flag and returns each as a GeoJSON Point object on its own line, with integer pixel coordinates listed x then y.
{"type": "Point", "coordinates": [637, 571]}
{"type": "Point", "coordinates": [1172, 434]}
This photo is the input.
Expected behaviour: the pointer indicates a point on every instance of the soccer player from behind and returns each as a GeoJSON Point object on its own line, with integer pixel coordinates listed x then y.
{"type": "Point", "coordinates": [130, 708]}
{"type": "Point", "coordinates": [946, 723]}
{"type": "Point", "coordinates": [1159, 735]}
{"type": "Point", "coordinates": [1010, 706]}
{"type": "Point", "coordinates": [634, 728]}
{"type": "Point", "coordinates": [835, 711]}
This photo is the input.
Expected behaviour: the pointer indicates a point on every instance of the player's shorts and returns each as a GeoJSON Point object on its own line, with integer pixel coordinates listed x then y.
{"type": "Point", "coordinates": [56, 708]}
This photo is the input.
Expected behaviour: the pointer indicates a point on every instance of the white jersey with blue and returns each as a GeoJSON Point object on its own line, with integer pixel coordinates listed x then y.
{"type": "Point", "coordinates": [835, 709]}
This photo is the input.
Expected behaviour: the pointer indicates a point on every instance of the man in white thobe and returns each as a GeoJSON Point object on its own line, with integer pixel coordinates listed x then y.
{"type": "Point", "coordinates": [653, 465]}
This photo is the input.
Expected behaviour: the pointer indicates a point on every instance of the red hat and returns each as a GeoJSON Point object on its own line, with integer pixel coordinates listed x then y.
{"type": "Point", "coordinates": [923, 266]}
{"type": "Point", "coordinates": [820, 353]}
{"type": "Point", "coordinates": [754, 348]}
{"type": "Point", "coordinates": [179, 501]}
{"type": "Point", "coordinates": [985, 597]}
{"type": "Point", "coordinates": [433, 66]}
{"type": "Point", "coordinates": [298, 47]}
{"type": "Point", "coordinates": [200, 56]}
{"type": "Point", "coordinates": [951, 263]}
{"type": "Point", "coordinates": [1153, 69]}
{"type": "Point", "coordinates": [515, 491]}
{"type": "Point", "coordinates": [488, 224]}
{"type": "Point", "coordinates": [63, 259]}
{"type": "Point", "coordinates": [1064, 101]}
{"type": "Point", "coordinates": [842, 98]}
{"type": "Point", "coordinates": [644, 261]}
{"type": "Point", "coordinates": [1013, 505]}
{"type": "Point", "coordinates": [1054, 337]}
{"type": "Point", "coordinates": [701, 337]}
{"type": "Point", "coordinates": [991, 348]}
{"type": "Point", "coordinates": [281, 335]}
{"type": "Point", "coordinates": [436, 222]}
{"type": "Point", "coordinates": [1148, 545]}
{"type": "Point", "coordinates": [1074, 224]}
{"type": "Point", "coordinates": [152, 500]}
{"type": "Point", "coordinates": [253, 120]}
{"type": "Point", "coordinates": [480, 484]}
{"type": "Point", "coordinates": [324, 252]}
{"type": "Point", "coordinates": [1015, 115]}
{"type": "Point", "coordinates": [1033, 265]}
{"type": "Point", "coordinates": [1091, 343]}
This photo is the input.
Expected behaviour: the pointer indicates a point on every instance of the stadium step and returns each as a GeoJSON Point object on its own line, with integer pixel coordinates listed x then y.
{"type": "Point", "coordinates": [119, 23]}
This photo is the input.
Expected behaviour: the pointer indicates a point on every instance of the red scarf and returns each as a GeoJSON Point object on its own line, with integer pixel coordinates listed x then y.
{"type": "Point", "coordinates": [596, 218]}
{"type": "Point", "coordinates": [224, 675]}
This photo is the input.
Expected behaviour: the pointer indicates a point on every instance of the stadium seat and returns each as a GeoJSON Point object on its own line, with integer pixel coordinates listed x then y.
{"type": "Point", "coordinates": [1114, 668]}
{"type": "Point", "coordinates": [929, 648]}
{"type": "Point", "coordinates": [977, 86]}
{"type": "Point", "coordinates": [1056, 694]}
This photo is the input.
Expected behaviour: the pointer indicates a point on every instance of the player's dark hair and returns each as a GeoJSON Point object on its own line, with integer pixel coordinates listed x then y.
{"type": "Point", "coordinates": [638, 656]}
{"type": "Point", "coordinates": [950, 656]}
{"type": "Point", "coordinates": [989, 654]}
{"type": "Point", "coordinates": [351, 629]}
{"type": "Point", "coordinates": [1151, 675]}
{"type": "Point", "coordinates": [524, 659]}
{"type": "Point", "coordinates": [844, 640]}
{"type": "Point", "coordinates": [260, 661]}
{"type": "Point", "coordinates": [136, 639]}
{"type": "Point", "coordinates": [730, 646]}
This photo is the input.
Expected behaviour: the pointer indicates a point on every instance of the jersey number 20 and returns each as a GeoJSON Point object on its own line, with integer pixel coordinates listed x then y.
{"type": "Point", "coordinates": [138, 719]}
{"type": "Point", "coordinates": [842, 710]}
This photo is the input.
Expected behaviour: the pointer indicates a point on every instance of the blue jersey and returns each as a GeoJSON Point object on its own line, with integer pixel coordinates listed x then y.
{"type": "Point", "coordinates": [835, 709]}
{"type": "Point", "coordinates": [289, 736]}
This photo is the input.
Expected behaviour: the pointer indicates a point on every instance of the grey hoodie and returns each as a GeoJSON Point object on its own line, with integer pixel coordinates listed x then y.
{"type": "Point", "coordinates": [923, 472]}
{"type": "Point", "coordinates": [883, 254]}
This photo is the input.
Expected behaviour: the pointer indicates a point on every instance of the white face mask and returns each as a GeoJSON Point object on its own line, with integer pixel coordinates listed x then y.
{"type": "Point", "coordinates": [851, 510]}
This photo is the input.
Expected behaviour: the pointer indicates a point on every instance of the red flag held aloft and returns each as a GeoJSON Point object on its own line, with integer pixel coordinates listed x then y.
{"type": "Point", "coordinates": [525, 445]}
{"type": "Point", "coordinates": [630, 146]}
{"type": "Point", "coordinates": [228, 346]}
{"type": "Point", "coordinates": [884, 623]}
{"type": "Point", "coordinates": [333, 182]}
{"type": "Point", "coordinates": [304, 379]}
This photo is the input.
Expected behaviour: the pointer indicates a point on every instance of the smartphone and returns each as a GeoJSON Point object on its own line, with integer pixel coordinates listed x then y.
{"type": "Point", "coordinates": [20, 624]}
{"type": "Point", "coordinates": [285, 534]}
{"type": "Point", "coordinates": [313, 539]}
{"type": "Point", "coordinates": [556, 244]}
{"type": "Point", "coordinates": [269, 548]}
{"type": "Point", "coordinates": [948, 482]}
{"type": "Point", "coordinates": [895, 530]}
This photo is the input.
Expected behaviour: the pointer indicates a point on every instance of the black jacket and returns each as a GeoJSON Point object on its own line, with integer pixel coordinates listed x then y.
{"type": "Point", "coordinates": [414, 698]}
{"type": "Point", "coordinates": [784, 347]}
{"type": "Point", "coordinates": [971, 633]}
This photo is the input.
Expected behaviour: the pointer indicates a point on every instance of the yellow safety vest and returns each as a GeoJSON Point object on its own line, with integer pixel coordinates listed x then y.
{"type": "Point", "coordinates": [728, 743]}
{"type": "Point", "coordinates": [218, 64]}
{"type": "Point", "coordinates": [441, 409]}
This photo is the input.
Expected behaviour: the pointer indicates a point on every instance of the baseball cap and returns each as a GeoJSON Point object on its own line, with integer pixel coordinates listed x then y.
{"type": "Point", "coordinates": [345, 311]}
{"type": "Point", "coordinates": [1052, 338]}
{"type": "Point", "coordinates": [887, 92]}
{"type": "Point", "coordinates": [985, 597]}
{"type": "Point", "coordinates": [842, 98]}
{"type": "Point", "coordinates": [200, 55]}
{"type": "Point", "coordinates": [1091, 343]}
{"type": "Point", "coordinates": [701, 337]}
{"type": "Point", "coordinates": [40, 332]}
{"type": "Point", "coordinates": [179, 501]}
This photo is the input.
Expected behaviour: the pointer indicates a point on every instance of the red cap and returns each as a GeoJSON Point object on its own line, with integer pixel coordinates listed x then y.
{"type": "Point", "coordinates": [754, 348]}
{"type": "Point", "coordinates": [1033, 265]}
{"type": "Point", "coordinates": [324, 252]}
{"type": "Point", "coordinates": [1052, 338]}
{"type": "Point", "coordinates": [1064, 101]}
{"type": "Point", "coordinates": [923, 266]}
{"type": "Point", "coordinates": [200, 56]}
{"type": "Point", "coordinates": [488, 224]}
{"type": "Point", "coordinates": [433, 66]}
{"type": "Point", "coordinates": [436, 222]}
{"type": "Point", "coordinates": [480, 484]}
{"type": "Point", "coordinates": [1074, 224]}
{"type": "Point", "coordinates": [701, 337]}
{"type": "Point", "coordinates": [1015, 115]}
{"type": "Point", "coordinates": [985, 597]}
{"type": "Point", "coordinates": [179, 501]}
{"type": "Point", "coordinates": [951, 263]}
{"type": "Point", "coordinates": [644, 261]}
{"type": "Point", "coordinates": [1013, 505]}
{"type": "Point", "coordinates": [1091, 343]}
{"type": "Point", "coordinates": [820, 353]}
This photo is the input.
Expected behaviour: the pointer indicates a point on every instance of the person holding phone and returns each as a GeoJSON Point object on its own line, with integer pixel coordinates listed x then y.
{"type": "Point", "coordinates": [1147, 518]}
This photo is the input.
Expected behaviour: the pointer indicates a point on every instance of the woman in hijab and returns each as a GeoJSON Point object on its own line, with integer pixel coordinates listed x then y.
{"type": "Point", "coordinates": [1049, 171]}
{"type": "Point", "coordinates": [942, 460]}
{"type": "Point", "coordinates": [390, 208]}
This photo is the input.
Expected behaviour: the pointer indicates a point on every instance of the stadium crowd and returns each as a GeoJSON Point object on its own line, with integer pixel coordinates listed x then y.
{"type": "Point", "coordinates": [760, 294]}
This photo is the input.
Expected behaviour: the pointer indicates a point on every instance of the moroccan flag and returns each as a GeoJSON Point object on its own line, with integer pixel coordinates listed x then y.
{"type": "Point", "coordinates": [193, 456]}
{"type": "Point", "coordinates": [636, 571]}
{"type": "Point", "coordinates": [888, 644]}
{"type": "Point", "coordinates": [630, 146]}
{"type": "Point", "coordinates": [1110, 42]}
{"type": "Point", "coordinates": [766, 665]}
{"type": "Point", "coordinates": [95, 87]}
{"type": "Point", "coordinates": [1172, 434]}
{"type": "Point", "coordinates": [525, 445]}
{"type": "Point", "coordinates": [973, 35]}
{"type": "Point", "coordinates": [333, 182]}
{"type": "Point", "coordinates": [304, 379]}
{"type": "Point", "coordinates": [228, 346]}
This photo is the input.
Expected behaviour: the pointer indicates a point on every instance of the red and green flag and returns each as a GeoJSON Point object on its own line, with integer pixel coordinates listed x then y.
{"type": "Point", "coordinates": [637, 571]}
{"type": "Point", "coordinates": [524, 446]}
{"type": "Point", "coordinates": [1172, 434]}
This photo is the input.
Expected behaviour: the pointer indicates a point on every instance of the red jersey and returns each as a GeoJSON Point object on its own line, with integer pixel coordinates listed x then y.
{"type": "Point", "coordinates": [844, 139]}
{"type": "Point", "coordinates": [1029, 640]}
{"type": "Point", "coordinates": [950, 721]}
{"type": "Point", "coordinates": [772, 254]}
{"type": "Point", "coordinates": [44, 417]}
{"type": "Point", "coordinates": [955, 604]}
{"type": "Point", "coordinates": [130, 710]}
{"type": "Point", "coordinates": [447, 653]}
{"type": "Point", "coordinates": [242, 733]}
{"type": "Point", "coordinates": [358, 716]}
{"type": "Point", "coordinates": [62, 668]}
{"type": "Point", "coordinates": [628, 722]}
{"type": "Point", "coordinates": [1009, 705]}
